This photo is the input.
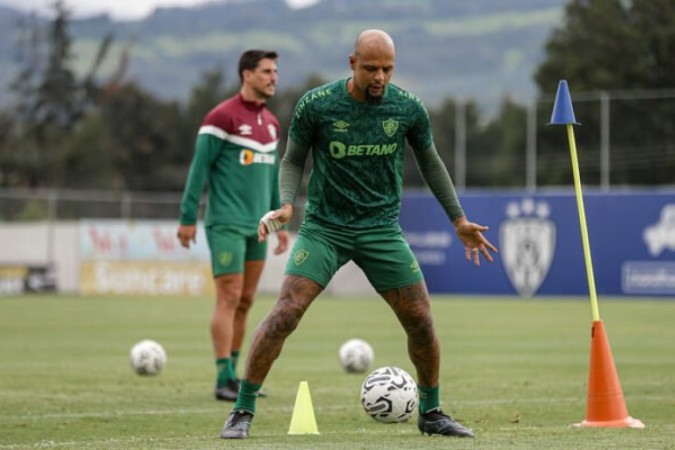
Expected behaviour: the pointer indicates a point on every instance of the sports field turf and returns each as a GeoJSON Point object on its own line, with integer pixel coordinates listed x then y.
{"type": "Point", "coordinates": [513, 370]}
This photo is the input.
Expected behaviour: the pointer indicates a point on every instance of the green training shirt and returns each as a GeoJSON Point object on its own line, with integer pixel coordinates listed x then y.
{"type": "Point", "coordinates": [358, 151]}
{"type": "Point", "coordinates": [236, 157]}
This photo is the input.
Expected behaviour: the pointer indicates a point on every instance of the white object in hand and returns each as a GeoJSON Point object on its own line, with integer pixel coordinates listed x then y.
{"type": "Point", "coordinates": [270, 223]}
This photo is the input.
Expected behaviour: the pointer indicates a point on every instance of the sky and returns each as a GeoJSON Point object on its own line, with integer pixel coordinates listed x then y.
{"type": "Point", "coordinates": [118, 9]}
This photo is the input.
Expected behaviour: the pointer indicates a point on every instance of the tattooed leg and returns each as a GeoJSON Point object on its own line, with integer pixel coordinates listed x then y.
{"type": "Point", "coordinates": [413, 310]}
{"type": "Point", "coordinates": [297, 293]}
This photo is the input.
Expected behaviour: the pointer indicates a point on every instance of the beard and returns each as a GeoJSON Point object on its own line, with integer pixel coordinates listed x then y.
{"type": "Point", "coordinates": [373, 100]}
{"type": "Point", "coordinates": [263, 94]}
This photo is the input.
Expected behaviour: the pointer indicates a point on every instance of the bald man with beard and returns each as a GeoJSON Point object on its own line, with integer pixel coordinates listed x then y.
{"type": "Point", "coordinates": [356, 129]}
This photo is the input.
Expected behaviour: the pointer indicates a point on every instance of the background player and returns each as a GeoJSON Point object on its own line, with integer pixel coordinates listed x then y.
{"type": "Point", "coordinates": [236, 157]}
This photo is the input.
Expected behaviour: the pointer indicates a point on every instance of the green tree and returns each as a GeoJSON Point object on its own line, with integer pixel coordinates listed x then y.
{"type": "Point", "coordinates": [50, 101]}
{"type": "Point", "coordinates": [143, 131]}
{"type": "Point", "coordinates": [498, 156]}
{"type": "Point", "coordinates": [88, 157]}
{"type": "Point", "coordinates": [618, 45]}
{"type": "Point", "coordinates": [210, 91]}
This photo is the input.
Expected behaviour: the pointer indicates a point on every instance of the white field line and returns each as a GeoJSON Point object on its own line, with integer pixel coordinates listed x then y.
{"type": "Point", "coordinates": [210, 441]}
{"type": "Point", "coordinates": [289, 408]}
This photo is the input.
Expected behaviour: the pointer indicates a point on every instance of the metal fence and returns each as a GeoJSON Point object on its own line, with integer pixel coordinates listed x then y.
{"type": "Point", "coordinates": [68, 204]}
{"type": "Point", "coordinates": [610, 149]}
{"type": "Point", "coordinates": [50, 205]}
{"type": "Point", "coordinates": [625, 135]}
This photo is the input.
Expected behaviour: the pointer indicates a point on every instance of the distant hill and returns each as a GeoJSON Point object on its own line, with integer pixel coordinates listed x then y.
{"type": "Point", "coordinates": [480, 49]}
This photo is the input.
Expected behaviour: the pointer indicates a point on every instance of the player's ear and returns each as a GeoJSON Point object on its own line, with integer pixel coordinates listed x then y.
{"type": "Point", "coordinates": [247, 74]}
{"type": "Point", "coordinates": [352, 61]}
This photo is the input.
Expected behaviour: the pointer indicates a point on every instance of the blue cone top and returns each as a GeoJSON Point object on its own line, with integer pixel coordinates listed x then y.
{"type": "Point", "coordinates": [563, 114]}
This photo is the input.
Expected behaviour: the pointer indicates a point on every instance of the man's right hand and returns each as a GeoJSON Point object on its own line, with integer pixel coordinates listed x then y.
{"type": "Point", "coordinates": [274, 220]}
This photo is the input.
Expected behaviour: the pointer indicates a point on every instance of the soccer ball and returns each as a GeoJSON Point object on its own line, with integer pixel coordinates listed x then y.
{"type": "Point", "coordinates": [147, 357]}
{"type": "Point", "coordinates": [389, 395]}
{"type": "Point", "coordinates": [356, 355]}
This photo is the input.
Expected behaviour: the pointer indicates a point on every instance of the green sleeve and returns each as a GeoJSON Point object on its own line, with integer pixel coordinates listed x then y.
{"type": "Point", "coordinates": [275, 202]}
{"type": "Point", "coordinates": [291, 170]}
{"type": "Point", "coordinates": [438, 179]}
{"type": "Point", "coordinates": [205, 147]}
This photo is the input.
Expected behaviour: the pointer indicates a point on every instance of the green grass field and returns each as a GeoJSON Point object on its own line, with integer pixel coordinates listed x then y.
{"type": "Point", "coordinates": [513, 370]}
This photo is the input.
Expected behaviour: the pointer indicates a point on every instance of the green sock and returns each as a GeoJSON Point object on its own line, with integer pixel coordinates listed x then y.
{"type": "Point", "coordinates": [234, 356]}
{"type": "Point", "coordinates": [248, 392]}
{"type": "Point", "coordinates": [225, 371]}
{"type": "Point", "coordinates": [429, 398]}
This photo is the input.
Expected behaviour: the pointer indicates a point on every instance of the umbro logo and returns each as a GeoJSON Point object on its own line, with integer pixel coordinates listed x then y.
{"type": "Point", "coordinates": [245, 130]}
{"type": "Point", "coordinates": [340, 126]}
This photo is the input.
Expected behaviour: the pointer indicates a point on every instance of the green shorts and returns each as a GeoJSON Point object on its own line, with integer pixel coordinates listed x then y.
{"type": "Point", "coordinates": [382, 253]}
{"type": "Point", "coordinates": [231, 246]}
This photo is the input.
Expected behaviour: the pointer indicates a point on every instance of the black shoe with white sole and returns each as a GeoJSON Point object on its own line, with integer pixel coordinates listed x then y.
{"type": "Point", "coordinates": [229, 392]}
{"type": "Point", "coordinates": [237, 425]}
{"type": "Point", "coordinates": [437, 422]}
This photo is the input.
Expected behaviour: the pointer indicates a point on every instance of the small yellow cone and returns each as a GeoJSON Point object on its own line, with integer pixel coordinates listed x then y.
{"type": "Point", "coordinates": [303, 420]}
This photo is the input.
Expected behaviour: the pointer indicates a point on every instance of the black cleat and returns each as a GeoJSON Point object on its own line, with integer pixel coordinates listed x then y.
{"type": "Point", "coordinates": [237, 425]}
{"type": "Point", "coordinates": [228, 392]}
{"type": "Point", "coordinates": [436, 422]}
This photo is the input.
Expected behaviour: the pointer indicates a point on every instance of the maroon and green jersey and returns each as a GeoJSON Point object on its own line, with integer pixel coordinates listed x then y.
{"type": "Point", "coordinates": [236, 157]}
{"type": "Point", "coordinates": [358, 151]}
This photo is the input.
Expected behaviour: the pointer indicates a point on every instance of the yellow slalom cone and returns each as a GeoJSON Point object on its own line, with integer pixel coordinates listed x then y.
{"type": "Point", "coordinates": [303, 420]}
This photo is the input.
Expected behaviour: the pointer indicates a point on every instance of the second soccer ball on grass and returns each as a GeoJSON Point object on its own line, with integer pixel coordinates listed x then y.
{"type": "Point", "coordinates": [147, 357]}
{"type": "Point", "coordinates": [356, 355]}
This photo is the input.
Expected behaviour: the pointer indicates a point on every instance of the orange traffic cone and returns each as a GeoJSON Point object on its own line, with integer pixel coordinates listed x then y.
{"type": "Point", "coordinates": [605, 406]}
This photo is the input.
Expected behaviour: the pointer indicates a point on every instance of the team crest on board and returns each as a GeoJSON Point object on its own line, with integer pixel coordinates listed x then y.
{"type": "Point", "coordinates": [660, 236]}
{"type": "Point", "coordinates": [527, 244]}
{"type": "Point", "coordinates": [300, 257]}
{"type": "Point", "coordinates": [390, 126]}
